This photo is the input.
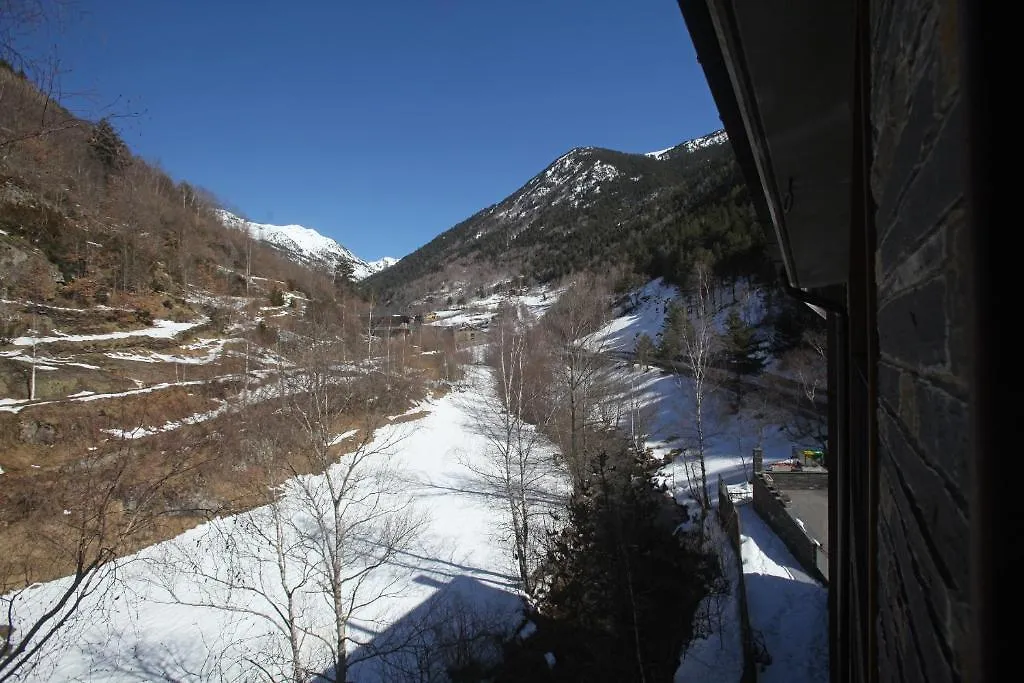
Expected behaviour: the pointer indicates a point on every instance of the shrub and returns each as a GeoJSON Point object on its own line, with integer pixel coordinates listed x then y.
{"type": "Point", "coordinates": [11, 325]}
{"type": "Point", "coordinates": [82, 290]}
{"type": "Point", "coordinates": [266, 334]}
{"type": "Point", "coordinates": [143, 316]}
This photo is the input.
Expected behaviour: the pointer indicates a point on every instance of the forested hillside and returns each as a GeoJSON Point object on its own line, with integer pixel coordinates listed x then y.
{"type": "Point", "coordinates": [597, 209]}
{"type": "Point", "coordinates": [83, 220]}
{"type": "Point", "coordinates": [139, 336]}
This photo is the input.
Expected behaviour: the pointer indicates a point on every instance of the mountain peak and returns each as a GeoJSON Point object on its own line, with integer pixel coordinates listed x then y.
{"type": "Point", "coordinates": [578, 212]}
{"type": "Point", "coordinates": [306, 245]}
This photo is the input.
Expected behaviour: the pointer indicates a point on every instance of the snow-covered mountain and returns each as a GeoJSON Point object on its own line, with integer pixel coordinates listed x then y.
{"type": "Point", "coordinates": [307, 246]}
{"type": "Point", "coordinates": [379, 265]}
{"type": "Point", "coordinates": [364, 269]}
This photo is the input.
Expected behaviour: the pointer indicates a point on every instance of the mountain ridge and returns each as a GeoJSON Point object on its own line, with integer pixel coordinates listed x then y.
{"type": "Point", "coordinates": [307, 246]}
{"type": "Point", "coordinates": [591, 208]}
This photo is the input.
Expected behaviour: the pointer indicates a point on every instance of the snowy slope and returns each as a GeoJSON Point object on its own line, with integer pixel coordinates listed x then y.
{"type": "Point", "coordinates": [660, 154]}
{"type": "Point", "coordinates": [645, 315]}
{"type": "Point", "coordinates": [589, 198]}
{"type": "Point", "coordinates": [717, 138]}
{"type": "Point", "coordinates": [307, 245]}
{"type": "Point", "coordinates": [644, 310]}
{"type": "Point", "coordinates": [148, 633]}
{"type": "Point", "coordinates": [579, 174]}
{"type": "Point", "coordinates": [573, 177]}
{"type": "Point", "coordinates": [378, 265]}
{"type": "Point", "coordinates": [480, 312]}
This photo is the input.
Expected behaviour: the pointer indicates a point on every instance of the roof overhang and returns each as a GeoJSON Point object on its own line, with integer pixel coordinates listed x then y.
{"type": "Point", "coordinates": [782, 75]}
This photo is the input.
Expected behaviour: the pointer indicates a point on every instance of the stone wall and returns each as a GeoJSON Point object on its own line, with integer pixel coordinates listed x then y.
{"type": "Point", "coordinates": [922, 269]}
{"type": "Point", "coordinates": [800, 480]}
{"type": "Point", "coordinates": [770, 504]}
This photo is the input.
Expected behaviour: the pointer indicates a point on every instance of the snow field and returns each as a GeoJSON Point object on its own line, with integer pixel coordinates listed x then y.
{"type": "Point", "coordinates": [147, 628]}
{"type": "Point", "coordinates": [461, 551]}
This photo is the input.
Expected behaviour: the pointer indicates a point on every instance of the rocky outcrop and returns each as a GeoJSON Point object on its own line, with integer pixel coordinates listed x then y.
{"type": "Point", "coordinates": [36, 432]}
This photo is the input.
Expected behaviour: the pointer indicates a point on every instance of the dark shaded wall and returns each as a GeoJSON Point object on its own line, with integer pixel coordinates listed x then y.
{"type": "Point", "coordinates": [771, 503]}
{"type": "Point", "coordinates": [922, 268]}
{"type": "Point", "coordinates": [787, 481]}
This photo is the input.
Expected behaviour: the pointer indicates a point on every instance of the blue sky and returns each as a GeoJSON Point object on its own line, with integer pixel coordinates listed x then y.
{"type": "Point", "coordinates": [381, 123]}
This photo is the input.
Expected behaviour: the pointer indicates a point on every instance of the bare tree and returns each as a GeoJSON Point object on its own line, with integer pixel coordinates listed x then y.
{"type": "Point", "coordinates": [700, 344]}
{"type": "Point", "coordinates": [323, 552]}
{"type": "Point", "coordinates": [369, 330]}
{"type": "Point", "coordinates": [627, 410]}
{"type": "Point", "coordinates": [29, 112]}
{"type": "Point", "coordinates": [261, 572]}
{"type": "Point", "coordinates": [248, 279]}
{"type": "Point", "coordinates": [581, 377]}
{"type": "Point", "coordinates": [100, 521]}
{"type": "Point", "coordinates": [807, 364]}
{"type": "Point", "coordinates": [10, 323]}
{"type": "Point", "coordinates": [356, 524]}
{"type": "Point", "coordinates": [761, 411]}
{"type": "Point", "coordinates": [516, 470]}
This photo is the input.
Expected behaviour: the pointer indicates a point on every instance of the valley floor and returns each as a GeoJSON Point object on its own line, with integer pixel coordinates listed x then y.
{"type": "Point", "coordinates": [142, 631]}
{"type": "Point", "coordinates": [154, 622]}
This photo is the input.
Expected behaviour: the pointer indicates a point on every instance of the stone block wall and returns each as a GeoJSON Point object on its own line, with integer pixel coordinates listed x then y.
{"type": "Point", "coordinates": [800, 480]}
{"type": "Point", "coordinates": [922, 270]}
{"type": "Point", "coordinates": [770, 504]}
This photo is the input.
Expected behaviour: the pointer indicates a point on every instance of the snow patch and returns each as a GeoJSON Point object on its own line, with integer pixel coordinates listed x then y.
{"type": "Point", "coordinates": [716, 652]}
{"type": "Point", "coordinates": [344, 435]}
{"type": "Point", "coordinates": [643, 313]}
{"type": "Point", "coordinates": [660, 154]}
{"type": "Point", "coordinates": [161, 329]}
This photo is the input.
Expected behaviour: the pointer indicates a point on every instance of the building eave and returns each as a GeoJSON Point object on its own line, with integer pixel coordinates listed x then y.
{"type": "Point", "coordinates": [781, 74]}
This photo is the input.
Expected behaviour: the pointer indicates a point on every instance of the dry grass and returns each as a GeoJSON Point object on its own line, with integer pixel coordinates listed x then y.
{"type": "Point", "coordinates": [212, 468]}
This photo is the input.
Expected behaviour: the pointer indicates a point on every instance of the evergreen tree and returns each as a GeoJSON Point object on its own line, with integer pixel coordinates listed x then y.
{"type": "Point", "coordinates": [108, 147]}
{"type": "Point", "coordinates": [742, 352]}
{"type": "Point", "coordinates": [644, 349]}
{"type": "Point", "coordinates": [622, 584]}
{"type": "Point", "coordinates": [342, 272]}
{"type": "Point", "coordinates": [675, 320]}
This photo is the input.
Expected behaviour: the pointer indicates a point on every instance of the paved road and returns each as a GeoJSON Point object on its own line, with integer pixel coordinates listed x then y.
{"type": "Point", "coordinates": [783, 387]}
{"type": "Point", "coordinates": [810, 506]}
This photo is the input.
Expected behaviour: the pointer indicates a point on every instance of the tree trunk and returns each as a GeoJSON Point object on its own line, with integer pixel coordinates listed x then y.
{"type": "Point", "coordinates": [340, 625]}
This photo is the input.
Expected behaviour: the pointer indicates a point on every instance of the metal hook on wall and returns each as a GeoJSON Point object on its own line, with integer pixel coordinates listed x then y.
{"type": "Point", "coordinates": [787, 198]}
